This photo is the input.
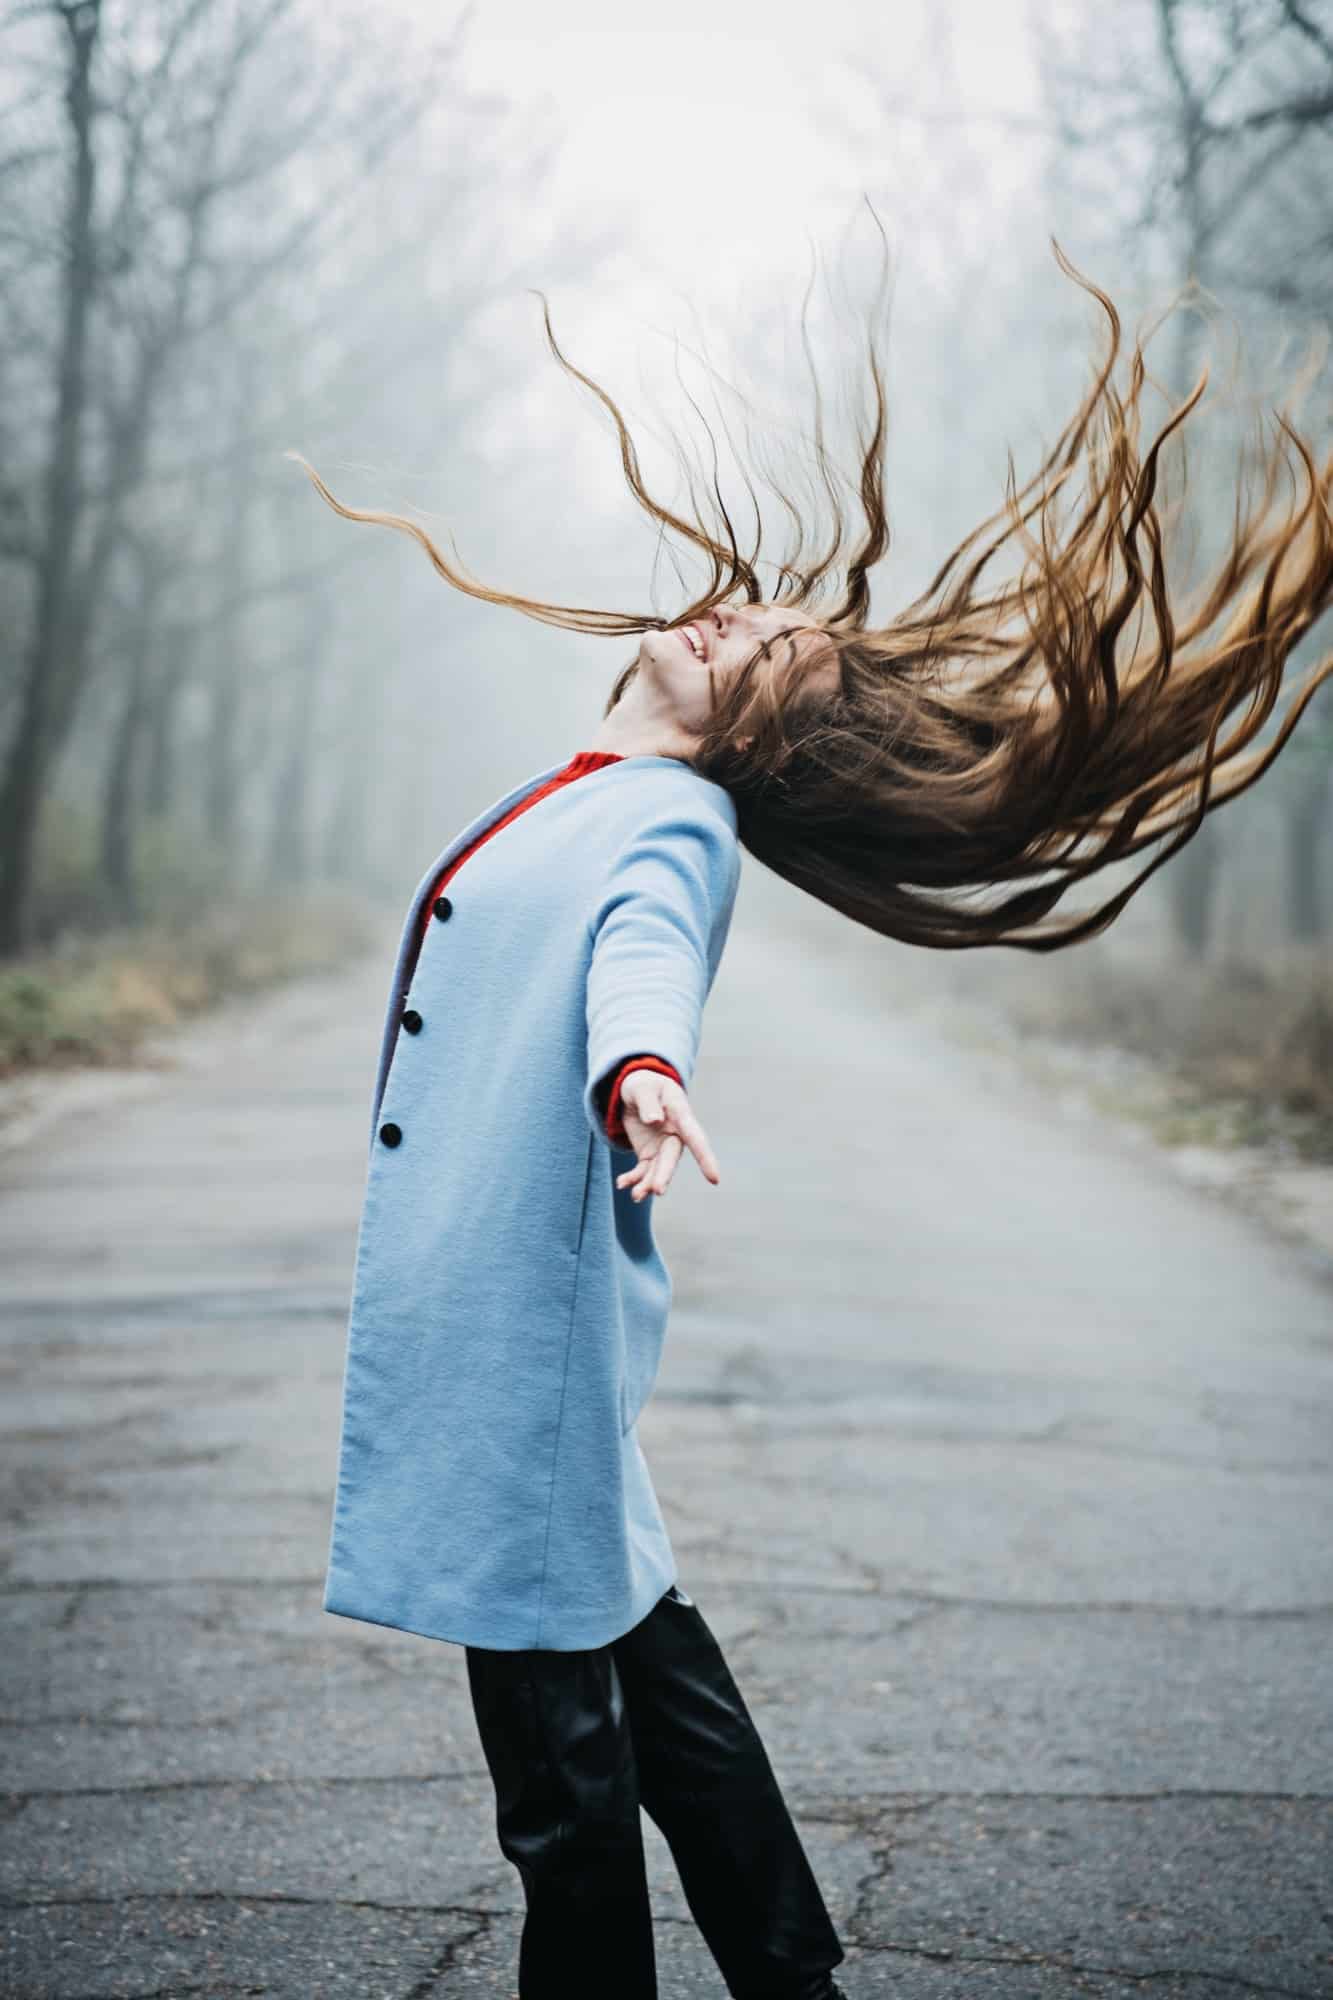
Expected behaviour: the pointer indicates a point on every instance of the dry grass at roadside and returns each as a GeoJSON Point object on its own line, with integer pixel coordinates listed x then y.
{"type": "Point", "coordinates": [1245, 1056]}
{"type": "Point", "coordinates": [92, 999]}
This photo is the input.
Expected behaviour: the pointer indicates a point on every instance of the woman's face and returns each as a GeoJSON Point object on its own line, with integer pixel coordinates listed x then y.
{"type": "Point", "coordinates": [676, 664]}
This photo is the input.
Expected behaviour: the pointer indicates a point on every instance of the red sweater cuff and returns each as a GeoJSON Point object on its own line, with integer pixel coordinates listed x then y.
{"type": "Point", "coordinates": [615, 1124]}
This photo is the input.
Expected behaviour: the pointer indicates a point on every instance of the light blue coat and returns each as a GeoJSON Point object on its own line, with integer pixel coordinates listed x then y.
{"type": "Point", "coordinates": [509, 1302]}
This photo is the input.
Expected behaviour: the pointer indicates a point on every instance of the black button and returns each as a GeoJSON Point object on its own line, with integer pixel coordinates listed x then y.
{"type": "Point", "coordinates": [391, 1134]}
{"type": "Point", "coordinates": [443, 908]}
{"type": "Point", "coordinates": [412, 1021]}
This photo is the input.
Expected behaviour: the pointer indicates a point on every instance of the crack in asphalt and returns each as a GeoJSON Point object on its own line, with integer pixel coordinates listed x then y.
{"type": "Point", "coordinates": [172, 1992]}
{"type": "Point", "coordinates": [857, 1930]}
{"type": "Point", "coordinates": [243, 1896]}
{"type": "Point", "coordinates": [889, 1593]}
{"type": "Point", "coordinates": [892, 1802]}
{"type": "Point", "coordinates": [945, 1954]}
{"type": "Point", "coordinates": [481, 1922]}
{"type": "Point", "coordinates": [1041, 1607]}
{"type": "Point", "coordinates": [175, 1991]}
{"type": "Point", "coordinates": [1046, 1607]}
{"type": "Point", "coordinates": [156, 1786]}
{"type": "Point", "coordinates": [430, 1979]}
{"type": "Point", "coordinates": [1057, 1433]}
{"type": "Point", "coordinates": [35, 1587]}
{"type": "Point", "coordinates": [78, 1598]}
{"type": "Point", "coordinates": [926, 1801]}
{"type": "Point", "coordinates": [193, 1725]}
{"type": "Point", "coordinates": [154, 1307]}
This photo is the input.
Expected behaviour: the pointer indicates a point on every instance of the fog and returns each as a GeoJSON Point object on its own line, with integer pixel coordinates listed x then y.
{"type": "Point", "coordinates": [996, 1446]}
{"type": "Point", "coordinates": [240, 232]}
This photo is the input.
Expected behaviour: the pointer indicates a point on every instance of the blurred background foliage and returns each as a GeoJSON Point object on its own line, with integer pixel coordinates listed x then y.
{"type": "Point", "coordinates": [234, 730]}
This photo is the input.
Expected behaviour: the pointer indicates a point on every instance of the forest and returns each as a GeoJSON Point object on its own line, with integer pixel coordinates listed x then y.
{"type": "Point", "coordinates": [231, 726]}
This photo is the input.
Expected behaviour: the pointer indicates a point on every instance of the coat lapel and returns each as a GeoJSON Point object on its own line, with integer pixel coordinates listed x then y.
{"type": "Point", "coordinates": [406, 960]}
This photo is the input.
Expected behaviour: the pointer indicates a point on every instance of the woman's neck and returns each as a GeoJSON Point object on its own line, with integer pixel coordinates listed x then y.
{"type": "Point", "coordinates": [631, 731]}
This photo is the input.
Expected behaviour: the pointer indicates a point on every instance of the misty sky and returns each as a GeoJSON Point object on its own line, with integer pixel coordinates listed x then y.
{"type": "Point", "coordinates": [683, 105]}
{"type": "Point", "coordinates": [722, 148]}
{"type": "Point", "coordinates": [727, 149]}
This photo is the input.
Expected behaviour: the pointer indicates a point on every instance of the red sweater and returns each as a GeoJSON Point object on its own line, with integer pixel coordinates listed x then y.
{"type": "Point", "coordinates": [578, 766]}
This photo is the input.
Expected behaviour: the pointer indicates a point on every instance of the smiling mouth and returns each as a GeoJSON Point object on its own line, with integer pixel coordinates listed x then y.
{"type": "Point", "coordinates": [694, 646]}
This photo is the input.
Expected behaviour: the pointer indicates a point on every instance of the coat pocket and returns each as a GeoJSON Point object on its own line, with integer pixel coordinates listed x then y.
{"type": "Point", "coordinates": [642, 1359]}
{"type": "Point", "coordinates": [643, 1283]}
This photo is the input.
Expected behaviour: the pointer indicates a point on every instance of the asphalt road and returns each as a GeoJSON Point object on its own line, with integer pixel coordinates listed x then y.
{"type": "Point", "coordinates": [998, 1458]}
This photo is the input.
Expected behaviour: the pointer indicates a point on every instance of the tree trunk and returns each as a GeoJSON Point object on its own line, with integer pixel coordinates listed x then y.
{"type": "Point", "coordinates": [222, 783]}
{"type": "Point", "coordinates": [119, 797]}
{"type": "Point", "coordinates": [1190, 878]}
{"type": "Point", "coordinates": [289, 858]}
{"type": "Point", "coordinates": [23, 787]}
{"type": "Point", "coordinates": [1191, 881]}
{"type": "Point", "coordinates": [117, 848]}
{"type": "Point", "coordinates": [222, 795]}
{"type": "Point", "coordinates": [160, 773]}
{"type": "Point", "coordinates": [1304, 824]}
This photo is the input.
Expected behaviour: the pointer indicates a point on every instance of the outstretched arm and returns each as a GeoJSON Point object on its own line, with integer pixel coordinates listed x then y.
{"type": "Point", "coordinates": [657, 933]}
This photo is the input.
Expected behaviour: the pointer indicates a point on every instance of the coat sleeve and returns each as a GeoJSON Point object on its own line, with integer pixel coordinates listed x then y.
{"type": "Point", "coordinates": [658, 930]}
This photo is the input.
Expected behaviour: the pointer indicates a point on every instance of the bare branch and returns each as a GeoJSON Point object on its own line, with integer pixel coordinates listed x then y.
{"type": "Point", "coordinates": [1299, 18]}
{"type": "Point", "coordinates": [1311, 109]}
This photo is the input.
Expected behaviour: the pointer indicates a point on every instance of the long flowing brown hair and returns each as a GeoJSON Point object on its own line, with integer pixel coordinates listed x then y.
{"type": "Point", "coordinates": [1030, 732]}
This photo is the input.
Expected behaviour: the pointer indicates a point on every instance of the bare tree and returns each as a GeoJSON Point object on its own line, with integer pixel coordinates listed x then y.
{"type": "Point", "coordinates": [53, 547]}
{"type": "Point", "coordinates": [209, 197]}
{"type": "Point", "coordinates": [1216, 118]}
{"type": "Point", "coordinates": [128, 735]}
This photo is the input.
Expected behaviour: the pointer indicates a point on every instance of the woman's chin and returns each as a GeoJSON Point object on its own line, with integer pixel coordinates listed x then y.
{"type": "Point", "coordinates": [667, 665]}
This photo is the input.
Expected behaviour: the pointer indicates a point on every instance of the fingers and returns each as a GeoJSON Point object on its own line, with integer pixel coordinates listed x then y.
{"type": "Point", "coordinates": [660, 1123]}
{"type": "Point", "coordinates": [697, 1140]}
{"type": "Point", "coordinates": [652, 1175]}
{"type": "Point", "coordinates": [652, 1172]}
{"type": "Point", "coordinates": [642, 1094]}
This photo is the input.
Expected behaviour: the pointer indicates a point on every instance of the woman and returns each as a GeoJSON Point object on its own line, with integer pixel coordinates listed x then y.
{"type": "Point", "coordinates": [509, 1301]}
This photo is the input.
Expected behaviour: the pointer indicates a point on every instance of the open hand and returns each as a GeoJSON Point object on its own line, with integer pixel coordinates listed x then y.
{"type": "Point", "coordinates": [659, 1124]}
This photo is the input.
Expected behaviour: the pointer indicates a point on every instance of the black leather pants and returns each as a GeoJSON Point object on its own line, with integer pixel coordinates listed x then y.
{"type": "Point", "coordinates": [576, 1743]}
